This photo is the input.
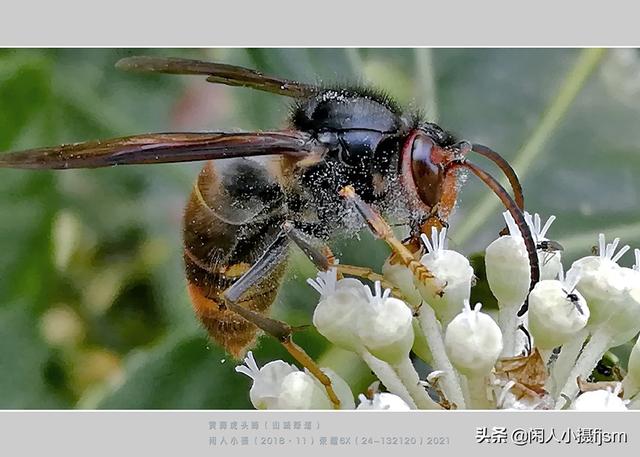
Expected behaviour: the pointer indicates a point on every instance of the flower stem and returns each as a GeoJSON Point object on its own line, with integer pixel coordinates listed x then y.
{"type": "Point", "coordinates": [546, 355]}
{"type": "Point", "coordinates": [566, 360]}
{"type": "Point", "coordinates": [387, 375]}
{"type": "Point", "coordinates": [433, 334]}
{"type": "Point", "coordinates": [508, 322]}
{"type": "Point", "coordinates": [477, 386]}
{"type": "Point", "coordinates": [591, 354]}
{"type": "Point", "coordinates": [409, 376]}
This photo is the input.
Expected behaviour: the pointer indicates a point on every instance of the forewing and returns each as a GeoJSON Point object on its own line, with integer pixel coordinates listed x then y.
{"type": "Point", "coordinates": [230, 75]}
{"type": "Point", "coordinates": [164, 148]}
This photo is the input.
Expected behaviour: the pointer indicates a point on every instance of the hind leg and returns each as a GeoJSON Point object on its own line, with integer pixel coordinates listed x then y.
{"type": "Point", "coordinates": [280, 330]}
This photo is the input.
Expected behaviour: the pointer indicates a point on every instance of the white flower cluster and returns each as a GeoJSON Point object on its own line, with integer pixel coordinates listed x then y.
{"type": "Point", "coordinates": [541, 360]}
{"type": "Point", "coordinates": [278, 385]}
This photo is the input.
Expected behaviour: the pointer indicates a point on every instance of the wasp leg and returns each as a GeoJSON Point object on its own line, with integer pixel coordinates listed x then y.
{"type": "Point", "coordinates": [369, 274]}
{"type": "Point", "coordinates": [323, 259]}
{"type": "Point", "coordinates": [272, 257]}
{"type": "Point", "coordinates": [318, 253]}
{"type": "Point", "coordinates": [382, 229]}
{"type": "Point", "coordinates": [283, 333]}
{"type": "Point", "coordinates": [278, 329]}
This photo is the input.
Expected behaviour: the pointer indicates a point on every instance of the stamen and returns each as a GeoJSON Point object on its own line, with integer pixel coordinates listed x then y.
{"type": "Point", "coordinates": [250, 367]}
{"type": "Point", "coordinates": [426, 242]}
{"type": "Point", "coordinates": [326, 281]}
{"type": "Point", "coordinates": [378, 287]}
{"type": "Point", "coordinates": [386, 294]}
{"type": "Point", "coordinates": [317, 284]}
{"type": "Point", "coordinates": [608, 251]}
{"type": "Point", "coordinates": [601, 245]}
{"type": "Point", "coordinates": [620, 253]}
{"type": "Point", "coordinates": [437, 243]}
{"type": "Point", "coordinates": [547, 225]}
{"type": "Point", "coordinates": [571, 281]}
{"type": "Point", "coordinates": [443, 239]}
{"type": "Point", "coordinates": [534, 222]}
{"type": "Point", "coordinates": [379, 296]}
{"type": "Point", "coordinates": [611, 247]}
{"type": "Point", "coordinates": [476, 312]}
{"type": "Point", "coordinates": [472, 312]}
{"type": "Point", "coordinates": [514, 231]}
{"type": "Point", "coordinates": [436, 240]}
{"type": "Point", "coordinates": [532, 225]}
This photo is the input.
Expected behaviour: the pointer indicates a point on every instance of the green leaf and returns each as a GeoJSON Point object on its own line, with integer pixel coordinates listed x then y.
{"type": "Point", "coordinates": [29, 371]}
{"type": "Point", "coordinates": [182, 374]}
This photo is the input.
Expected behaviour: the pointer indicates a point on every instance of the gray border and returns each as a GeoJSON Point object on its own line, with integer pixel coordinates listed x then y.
{"type": "Point", "coordinates": [276, 23]}
{"type": "Point", "coordinates": [128, 433]}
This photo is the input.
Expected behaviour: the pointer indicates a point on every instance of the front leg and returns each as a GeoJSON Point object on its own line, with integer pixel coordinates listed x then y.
{"type": "Point", "coordinates": [382, 229]}
{"type": "Point", "coordinates": [322, 257]}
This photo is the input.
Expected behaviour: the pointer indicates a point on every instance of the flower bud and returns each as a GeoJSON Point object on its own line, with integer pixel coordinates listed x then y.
{"type": "Point", "coordinates": [632, 275]}
{"type": "Point", "coordinates": [267, 381]}
{"type": "Point", "coordinates": [401, 277]}
{"type": "Point", "coordinates": [383, 401]}
{"type": "Point", "coordinates": [300, 391]}
{"type": "Point", "coordinates": [453, 277]}
{"type": "Point", "coordinates": [386, 327]}
{"type": "Point", "coordinates": [599, 400]}
{"type": "Point", "coordinates": [508, 270]}
{"type": "Point", "coordinates": [601, 281]}
{"type": "Point", "coordinates": [556, 312]}
{"type": "Point", "coordinates": [341, 305]}
{"type": "Point", "coordinates": [624, 323]}
{"type": "Point", "coordinates": [340, 387]}
{"type": "Point", "coordinates": [473, 341]}
{"type": "Point", "coordinates": [279, 385]}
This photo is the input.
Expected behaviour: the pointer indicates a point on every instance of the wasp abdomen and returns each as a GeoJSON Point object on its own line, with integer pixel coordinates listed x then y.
{"type": "Point", "coordinates": [227, 224]}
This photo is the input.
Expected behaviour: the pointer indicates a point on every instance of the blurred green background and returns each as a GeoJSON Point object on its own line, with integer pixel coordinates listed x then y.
{"type": "Point", "coordinates": [93, 307]}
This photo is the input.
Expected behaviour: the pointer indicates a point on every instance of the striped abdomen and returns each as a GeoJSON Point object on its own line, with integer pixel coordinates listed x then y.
{"type": "Point", "coordinates": [233, 214]}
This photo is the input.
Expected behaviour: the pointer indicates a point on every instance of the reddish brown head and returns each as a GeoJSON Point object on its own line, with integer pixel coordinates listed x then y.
{"type": "Point", "coordinates": [424, 168]}
{"type": "Point", "coordinates": [428, 164]}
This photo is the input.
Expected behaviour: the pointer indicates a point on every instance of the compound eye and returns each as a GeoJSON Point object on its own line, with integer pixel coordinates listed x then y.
{"type": "Point", "coordinates": [428, 174]}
